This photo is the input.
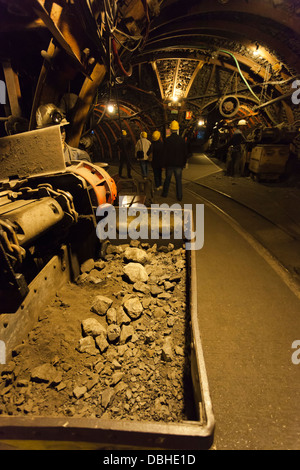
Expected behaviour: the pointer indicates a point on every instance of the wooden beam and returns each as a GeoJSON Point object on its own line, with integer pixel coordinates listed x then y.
{"type": "Point", "coordinates": [134, 11]}
{"type": "Point", "coordinates": [154, 66]}
{"type": "Point", "coordinates": [13, 88]}
{"type": "Point", "coordinates": [85, 100]}
{"type": "Point", "coordinates": [53, 23]}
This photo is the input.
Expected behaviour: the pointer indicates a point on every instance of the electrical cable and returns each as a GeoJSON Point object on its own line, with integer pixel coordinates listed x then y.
{"type": "Point", "coordinates": [241, 73]}
{"type": "Point", "coordinates": [146, 9]}
{"type": "Point", "coordinates": [124, 45]}
{"type": "Point", "coordinates": [117, 58]}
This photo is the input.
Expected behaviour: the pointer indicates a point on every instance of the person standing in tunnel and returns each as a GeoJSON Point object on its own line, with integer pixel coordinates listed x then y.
{"type": "Point", "coordinates": [125, 147]}
{"type": "Point", "coordinates": [155, 153]}
{"type": "Point", "coordinates": [141, 150]}
{"type": "Point", "coordinates": [50, 115]}
{"type": "Point", "coordinates": [175, 159]}
{"type": "Point", "coordinates": [234, 155]}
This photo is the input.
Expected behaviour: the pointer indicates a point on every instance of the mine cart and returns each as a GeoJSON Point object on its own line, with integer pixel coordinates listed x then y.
{"type": "Point", "coordinates": [49, 236]}
{"type": "Point", "coordinates": [269, 161]}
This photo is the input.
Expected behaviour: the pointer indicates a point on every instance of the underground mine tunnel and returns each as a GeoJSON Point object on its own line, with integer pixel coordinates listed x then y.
{"type": "Point", "coordinates": [149, 225]}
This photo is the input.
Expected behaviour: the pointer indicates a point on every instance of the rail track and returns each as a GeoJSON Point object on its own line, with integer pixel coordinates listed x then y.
{"type": "Point", "coordinates": [283, 242]}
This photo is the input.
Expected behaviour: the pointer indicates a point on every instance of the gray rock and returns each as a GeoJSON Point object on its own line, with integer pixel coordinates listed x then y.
{"type": "Point", "coordinates": [111, 316]}
{"type": "Point", "coordinates": [155, 290]}
{"type": "Point", "coordinates": [122, 318]}
{"type": "Point", "coordinates": [114, 249]}
{"type": "Point", "coordinates": [113, 332]}
{"type": "Point", "coordinates": [146, 302]}
{"type": "Point", "coordinates": [101, 304]}
{"type": "Point", "coordinates": [116, 365]}
{"type": "Point", "coordinates": [163, 249]}
{"type": "Point", "coordinates": [87, 266]}
{"type": "Point", "coordinates": [167, 350]}
{"type": "Point", "coordinates": [100, 264]}
{"type": "Point", "coordinates": [87, 345]}
{"type": "Point", "coordinates": [133, 308]}
{"type": "Point", "coordinates": [168, 285]}
{"type": "Point", "coordinates": [159, 313]}
{"type": "Point", "coordinates": [127, 332]}
{"type": "Point", "coordinates": [91, 327]}
{"type": "Point", "coordinates": [102, 343]}
{"type": "Point", "coordinates": [93, 279]}
{"type": "Point", "coordinates": [82, 278]}
{"type": "Point", "coordinates": [180, 264]}
{"type": "Point", "coordinates": [170, 322]}
{"type": "Point", "coordinates": [141, 287]}
{"type": "Point", "coordinates": [153, 248]}
{"type": "Point", "coordinates": [96, 274]}
{"type": "Point", "coordinates": [92, 382]}
{"type": "Point", "coordinates": [116, 377]}
{"type": "Point", "coordinates": [179, 351]}
{"type": "Point", "coordinates": [106, 396]}
{"type": "Point", "coordinates": [175, 277]}
{"type": "Point", "coordinates": [78, 391]}
{"type": "Point", "coordinates": [149, 337]}
{"type": "Point", "coordinates": [136, 255]}
{"type": "Point", "coordinates": [135, 243]}
{"type": "Point", "coordinates": [46, 373]}
{"type": "Point", "coordinates": [136, 272]}
{"type": "Point", "coordinates": [164, 295]}
{"type": "Point", "coordinates": [61, 386]}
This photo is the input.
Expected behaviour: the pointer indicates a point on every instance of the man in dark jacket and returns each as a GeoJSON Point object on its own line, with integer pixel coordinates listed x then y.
{"type": "Point", "coordinates": [125, 147]}
{"type": "Point", "coordinates": [155, 152]}
{"type": "Point", "coordinates": [175, 158]}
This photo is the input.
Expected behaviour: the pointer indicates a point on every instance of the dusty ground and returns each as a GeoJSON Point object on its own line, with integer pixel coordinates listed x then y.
{"type": "Point", "coordinates": [142, 374]}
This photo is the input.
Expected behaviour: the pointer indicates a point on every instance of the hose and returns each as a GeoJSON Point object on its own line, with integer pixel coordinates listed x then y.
{"type": "Point", "coordinates": [241, 73]}
{"type": "Point", "coordinates": [117, 58]}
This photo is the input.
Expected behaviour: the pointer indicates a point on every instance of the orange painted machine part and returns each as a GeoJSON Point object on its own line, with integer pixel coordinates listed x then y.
{"type": "Point", "coordinates": [103, 185]}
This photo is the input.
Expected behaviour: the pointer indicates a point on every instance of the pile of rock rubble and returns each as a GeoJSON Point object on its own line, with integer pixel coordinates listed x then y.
{"type": "Point", "coordinates": [112, 345]}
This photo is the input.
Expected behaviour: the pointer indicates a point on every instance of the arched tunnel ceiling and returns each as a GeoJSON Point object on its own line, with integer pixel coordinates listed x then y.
{"type": "Point", "coordinates": [200, 51]}
{"type": "Point", "coordinates": [197, 50]}
{"type": "Point", "coordinates": [273, 24]}
{"type": "Point", "coordinates": [263, 35]}
{"type": "Point", "coordinates": [208, 48]}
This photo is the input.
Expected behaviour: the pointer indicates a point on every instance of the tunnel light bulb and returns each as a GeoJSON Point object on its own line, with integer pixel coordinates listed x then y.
{"type": "Point", "coordinates": [257, 51]}
{"type": "Point", "coordinates": [110, 108]}
{"type": "Point", "coordinates": [201, 122]}
{"type": "Point", "coordinates": [175, 99]}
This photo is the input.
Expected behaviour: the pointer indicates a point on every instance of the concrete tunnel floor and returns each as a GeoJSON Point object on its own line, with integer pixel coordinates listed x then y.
{"type": "Point", "coordinates": [249, 318]}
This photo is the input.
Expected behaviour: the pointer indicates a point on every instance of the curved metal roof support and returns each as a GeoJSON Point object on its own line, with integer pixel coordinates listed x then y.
{"type": "Point", "coordinates": [245, 98]}
{"type": "Point", "coordinates": [259, 8]}
{"type": "Point", "coordinates": [247, 63]}
{"type": "Point", "coordinates": [230, 31]}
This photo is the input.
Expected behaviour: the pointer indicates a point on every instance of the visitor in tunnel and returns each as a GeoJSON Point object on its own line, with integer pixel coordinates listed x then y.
{"type": "Point", "coordinates": [125, 147]}
{"type": "Point", "coordinates": [175, 159]}
{"type": "Point", "coordinates": [50, 115]}
{"type": "Point", "coordinates": [141, 150]}
{"type": "Point", "coordinates": [234, 155]}
{"type": "Point", "coordinates": [155, 154]}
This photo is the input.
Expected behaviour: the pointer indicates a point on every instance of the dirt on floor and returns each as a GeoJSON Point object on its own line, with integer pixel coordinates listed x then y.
{"type": "Point", "coordinates": [115, 344]}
